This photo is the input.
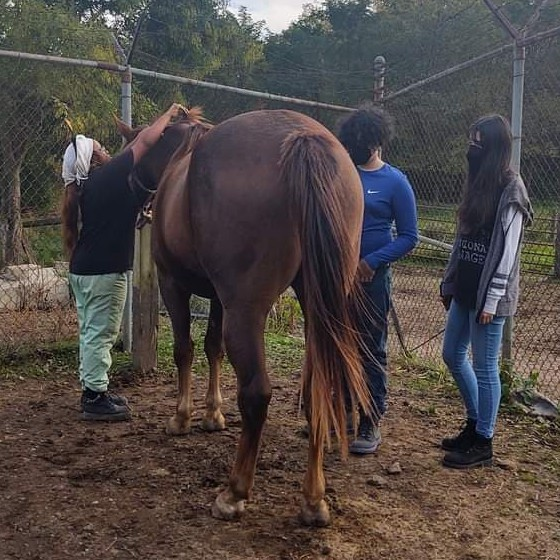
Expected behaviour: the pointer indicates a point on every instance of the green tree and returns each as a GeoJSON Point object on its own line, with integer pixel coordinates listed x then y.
{"type": "Point", "coordinates": [35, 100]}
{"type": "Point", "coordinates": [198, 39]}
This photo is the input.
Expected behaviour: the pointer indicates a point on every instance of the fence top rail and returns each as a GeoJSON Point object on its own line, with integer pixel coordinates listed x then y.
{"type": "Point", "coordinates": [64, 60]}
{"type": "Point", "coordinates": [241, 91]}
{"type": "Point", "coordinates": [119, 68]}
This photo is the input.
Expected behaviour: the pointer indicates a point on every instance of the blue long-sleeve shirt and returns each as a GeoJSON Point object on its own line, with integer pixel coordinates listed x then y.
{"type": "Point", "coordinates": [388, 198]}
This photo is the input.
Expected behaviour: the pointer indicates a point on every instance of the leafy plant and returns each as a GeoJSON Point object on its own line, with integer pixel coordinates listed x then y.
{"type": "Point", "coordinates": [518, 385]}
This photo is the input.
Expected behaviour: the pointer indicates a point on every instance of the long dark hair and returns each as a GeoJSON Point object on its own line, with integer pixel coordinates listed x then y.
{"type": "Point", "coordinates": [366, 129]}
{"type": "Point", "coordinates": [488, 173]}
{"type": "Point", "coordinates": [70, 216]}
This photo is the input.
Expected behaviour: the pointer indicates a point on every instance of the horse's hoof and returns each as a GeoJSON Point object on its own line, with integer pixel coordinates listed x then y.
{"type": "Point", "coordinates": [177, 426]}
{"type": "Point", "coordinates": [315, 516]}
{"type": "Point", "coordinates": [226, 507]}
{"type": "Point", "coordinates": [214, 423]}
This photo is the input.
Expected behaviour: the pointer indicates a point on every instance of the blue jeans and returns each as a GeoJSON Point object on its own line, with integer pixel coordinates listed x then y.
{"type": "Point", "coordinates": [373, 330]}
{"type": "Point", "coordinates": [479, 381]}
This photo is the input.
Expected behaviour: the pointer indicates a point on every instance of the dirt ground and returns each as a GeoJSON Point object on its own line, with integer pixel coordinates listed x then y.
{"type": "Point", "coordinates": [73, 490]}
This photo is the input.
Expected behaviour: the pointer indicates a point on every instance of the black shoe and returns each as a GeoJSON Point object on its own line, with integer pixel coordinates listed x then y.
{"type": "Point", "coordinates": [478, 455]}
{"type": "Point", "coordinates": [102, 407]}
{"type": "Point", "coordinates": [463, 440]}
{"type": "Point", "coordinates": [88, 393]}
{"type": "Point", "coordinates": [369, 438]}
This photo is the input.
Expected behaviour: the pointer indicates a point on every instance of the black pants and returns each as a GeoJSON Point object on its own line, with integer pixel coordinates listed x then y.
{"type": "Point", "coordinates": [373, 326]}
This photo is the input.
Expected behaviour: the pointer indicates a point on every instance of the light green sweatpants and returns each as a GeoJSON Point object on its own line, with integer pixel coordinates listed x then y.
{"type": "Point", "coordinates": [100, 304]}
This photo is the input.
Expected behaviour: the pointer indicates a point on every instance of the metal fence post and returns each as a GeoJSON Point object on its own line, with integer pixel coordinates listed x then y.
{"type": "Point", "coordinates": [126, 116]}
{"type": "Point", "coordinates": [379, 66]}
{"type": "Point", "coordinates": [516, 129]}
{"type": "Point", "coordinates": [378, 78]}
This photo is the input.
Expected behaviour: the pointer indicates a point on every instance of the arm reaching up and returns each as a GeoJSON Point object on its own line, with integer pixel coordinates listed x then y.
{"type": "Point", "coordinates": [151, 134]}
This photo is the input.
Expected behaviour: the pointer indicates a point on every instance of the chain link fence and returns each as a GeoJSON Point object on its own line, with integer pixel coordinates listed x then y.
{"type": "Point", "coordinates": [433, 117]}
{"type": "Point", "coordinates": [433, 122]}
{"type": "Point", "coordinates": [36, 123]}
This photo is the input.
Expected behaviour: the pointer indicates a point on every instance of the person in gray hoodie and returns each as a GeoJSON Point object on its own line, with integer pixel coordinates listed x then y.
{"type": "Point", "coordinates": [480, 287]}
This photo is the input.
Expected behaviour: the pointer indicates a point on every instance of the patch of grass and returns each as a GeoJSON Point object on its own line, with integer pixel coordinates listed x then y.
{"type": "Point", "coordinates": [439, 223]}
{"type": "Point", "coordinates": [54, 359]}
{"type": "Point", "coordinates": [284, 352]}
{"type": "Point", "coordinates": [421, 374]}
{"type": "Point", "coordinates": [514, 383]}
{"type": "Point", "coordinates": [286, 316]}
{"type": "Point", "coordinates": [45, 243]}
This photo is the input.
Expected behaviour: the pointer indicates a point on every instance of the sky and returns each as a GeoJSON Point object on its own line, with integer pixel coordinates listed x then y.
{"type": "Point", "coordinates": [278, 14]}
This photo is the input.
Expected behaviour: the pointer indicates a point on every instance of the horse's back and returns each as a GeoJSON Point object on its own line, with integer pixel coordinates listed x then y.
{"type": "Point", "coordinates": [242, 219]}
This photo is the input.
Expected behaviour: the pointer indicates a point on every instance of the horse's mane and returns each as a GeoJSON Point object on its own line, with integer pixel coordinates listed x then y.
{"type": "Point", "coordinates": [198, 126]}
{"type": "Point", "coordinates": [193, 127]}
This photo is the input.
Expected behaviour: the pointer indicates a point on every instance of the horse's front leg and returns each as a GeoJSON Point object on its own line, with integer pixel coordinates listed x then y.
{"type": "Point", "coordinates": [213, 346]}
{"type": "Point", "coordinates": [178, 306]}
{"type": "Point", "coordinates": [244, 338]}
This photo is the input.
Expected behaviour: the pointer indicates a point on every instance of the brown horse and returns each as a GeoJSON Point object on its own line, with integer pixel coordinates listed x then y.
{"type": "Point", "coordinates": [243, 210]}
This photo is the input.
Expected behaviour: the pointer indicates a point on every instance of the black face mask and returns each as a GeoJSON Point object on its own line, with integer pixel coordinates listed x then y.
{"type": "Point", "coordinates": [475, 154]}
{"type": "Point", "coordinates": [360, 156]}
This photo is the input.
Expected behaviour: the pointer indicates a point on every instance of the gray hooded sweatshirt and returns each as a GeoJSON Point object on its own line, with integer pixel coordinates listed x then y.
{"type": "Point", "coordinates": [515, 194]}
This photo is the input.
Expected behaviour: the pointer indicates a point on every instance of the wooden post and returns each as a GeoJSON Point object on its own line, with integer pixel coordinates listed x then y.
{"type": "Point", "coordinates": [145, 303]}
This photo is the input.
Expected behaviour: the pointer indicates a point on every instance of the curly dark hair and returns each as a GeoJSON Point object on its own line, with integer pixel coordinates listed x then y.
{"type": "Point", "coordinates": [366, 129]}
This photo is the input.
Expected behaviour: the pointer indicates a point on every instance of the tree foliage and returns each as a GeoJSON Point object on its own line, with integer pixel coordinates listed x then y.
{"type": "Point", "coordinates": [326, 55]}
{"type": "Point", "coordinates": [34, 103]}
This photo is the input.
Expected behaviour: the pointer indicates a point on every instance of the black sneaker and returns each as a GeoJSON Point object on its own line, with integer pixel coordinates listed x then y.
{"type": "Point", "coordinates": [463, 440]}
{"type": "Point", "coordinates": [117, 399]}
{"type": "Point", "coordinates": [102, 407]}
{"type": "Point", "coordinates": [369, 438]}
{"type": "Point", "coordinates": [479, 454]}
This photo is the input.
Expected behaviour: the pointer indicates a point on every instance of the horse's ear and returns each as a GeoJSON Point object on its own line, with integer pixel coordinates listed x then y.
{"type": "Point", "coordinates": [125, 131]}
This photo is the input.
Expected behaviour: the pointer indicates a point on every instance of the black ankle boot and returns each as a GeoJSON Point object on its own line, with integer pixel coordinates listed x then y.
{"type": "Point", "coordinates": [88, 394]}
{"type": "Point", "coordinates": [102, 407]}
{"type": "Point", "coordinates": [478, 455]}
{"type": "Point", "coordinates": [463, 440]}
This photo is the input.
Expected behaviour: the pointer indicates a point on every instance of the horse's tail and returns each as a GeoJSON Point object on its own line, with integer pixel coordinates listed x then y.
{"type": "Point", "coordinates": [332, 358]}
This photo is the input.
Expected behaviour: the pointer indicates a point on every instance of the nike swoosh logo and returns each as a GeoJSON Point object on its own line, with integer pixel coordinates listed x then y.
{"type": "Point", "coordinates": [372, 192]}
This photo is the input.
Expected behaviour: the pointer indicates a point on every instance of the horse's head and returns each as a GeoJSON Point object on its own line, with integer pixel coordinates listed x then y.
{"type": "Point", "coordinates": [183, 134]}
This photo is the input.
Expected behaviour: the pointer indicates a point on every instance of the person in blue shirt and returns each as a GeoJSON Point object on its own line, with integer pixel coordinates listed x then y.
{"type": "Point", "coordinates": [389, 200]}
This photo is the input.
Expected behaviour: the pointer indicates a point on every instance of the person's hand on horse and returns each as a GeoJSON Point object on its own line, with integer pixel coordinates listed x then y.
{"type": "Point", "coordinates": [177, 110]}
{"type": "Point", "coordinates": [365, 272]}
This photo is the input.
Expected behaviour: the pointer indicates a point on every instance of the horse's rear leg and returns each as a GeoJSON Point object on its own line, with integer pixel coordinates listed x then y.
{"type": "Point", "coordinates": [214, 348]}
{"type": "Point", "coordinates": [314, 510]}
{"type": "Point", "coordinates": [244, 337]}
{"type": "Point", "coordinates": [178, 306]}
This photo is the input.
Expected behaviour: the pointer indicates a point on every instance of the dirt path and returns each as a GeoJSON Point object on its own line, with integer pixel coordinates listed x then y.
{"type": "Point", "coordinates": [71, 490]}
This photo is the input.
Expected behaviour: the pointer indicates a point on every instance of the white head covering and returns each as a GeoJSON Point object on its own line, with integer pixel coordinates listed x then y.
{"type": "Point", "coordinates": [77, 161]}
